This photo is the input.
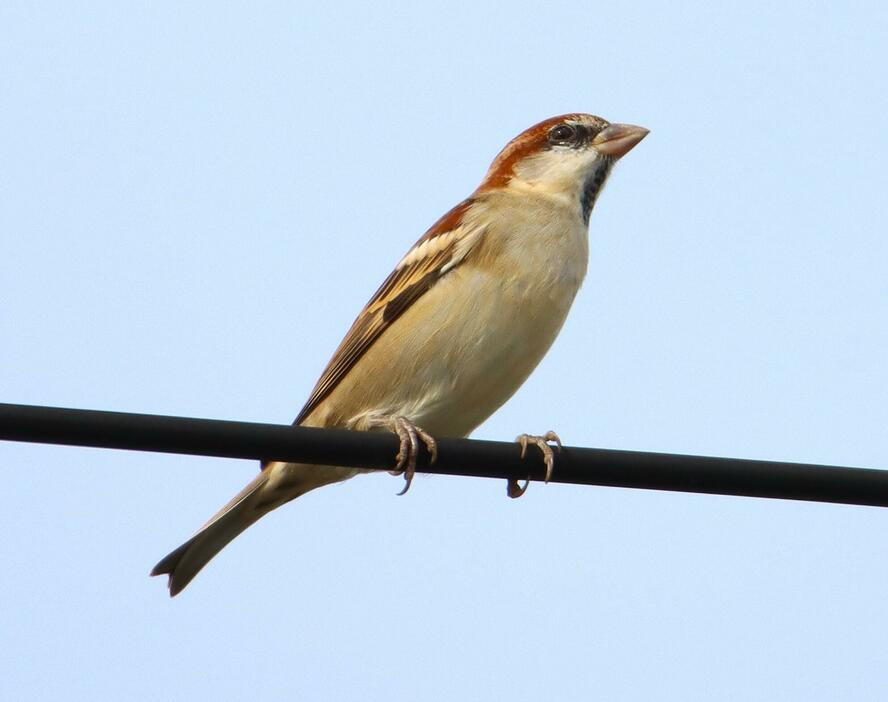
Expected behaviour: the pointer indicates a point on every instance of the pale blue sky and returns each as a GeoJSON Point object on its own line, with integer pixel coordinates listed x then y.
{"type": "Point", "coordinates": [195, 200]}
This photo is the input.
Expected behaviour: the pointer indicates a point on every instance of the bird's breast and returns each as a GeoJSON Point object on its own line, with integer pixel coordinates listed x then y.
{"type": "Point", "coordinates": [508, 309]}
{"type": "Point", "coordinates": [465, 346]}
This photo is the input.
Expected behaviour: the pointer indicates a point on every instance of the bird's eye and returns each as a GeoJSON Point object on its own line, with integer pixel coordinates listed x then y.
{"type": "Point", "coordinates": [562, 134]}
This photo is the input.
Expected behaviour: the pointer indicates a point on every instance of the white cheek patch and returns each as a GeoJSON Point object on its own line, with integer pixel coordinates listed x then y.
{"type": "Point", "coordinates": [556, 165]}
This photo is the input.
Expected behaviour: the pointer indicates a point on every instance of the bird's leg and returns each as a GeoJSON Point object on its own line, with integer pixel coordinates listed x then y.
{"type": "Point", "coordinates": [542, 443]}
{"type": "Point", "coordinates": [409, 434]}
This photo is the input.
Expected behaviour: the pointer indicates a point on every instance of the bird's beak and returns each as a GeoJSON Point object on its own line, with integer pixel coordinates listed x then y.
{"type": "Point", "coordinates": [618, 139]}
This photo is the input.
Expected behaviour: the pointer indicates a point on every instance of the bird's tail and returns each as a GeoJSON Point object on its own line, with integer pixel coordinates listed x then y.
{"type": "Point", "coordinates": [248, 506]}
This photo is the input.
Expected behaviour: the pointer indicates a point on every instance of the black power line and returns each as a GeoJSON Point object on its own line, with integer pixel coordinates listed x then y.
{"type": "Point", "coordinates": [485, 459]}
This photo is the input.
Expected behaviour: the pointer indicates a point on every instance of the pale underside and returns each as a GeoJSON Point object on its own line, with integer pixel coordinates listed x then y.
{"type": "Point", "coordinates": [462, 348]}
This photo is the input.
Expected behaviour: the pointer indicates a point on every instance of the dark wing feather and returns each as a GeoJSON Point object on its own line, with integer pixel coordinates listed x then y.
{"type": "Point", "coordinates": [418, 271]}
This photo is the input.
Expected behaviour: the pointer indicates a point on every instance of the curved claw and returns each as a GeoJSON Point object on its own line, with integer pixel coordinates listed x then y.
{"type": "Point", "coordinates": [409, 435]}
{"type": "Point", "coordinates": [403, 449]}
{"type": "Point", "coordinates": [514, 490]}
{"type": "Point", "coordinates": [542, 443]}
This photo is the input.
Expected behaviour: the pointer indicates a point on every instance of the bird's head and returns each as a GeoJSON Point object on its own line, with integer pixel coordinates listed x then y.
{"type": "Point", "coordinates": [567, 157]}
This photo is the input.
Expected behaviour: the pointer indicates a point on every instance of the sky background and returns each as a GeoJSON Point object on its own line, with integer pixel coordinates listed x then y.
{"type": "Point", "coordinates": [195, 201]}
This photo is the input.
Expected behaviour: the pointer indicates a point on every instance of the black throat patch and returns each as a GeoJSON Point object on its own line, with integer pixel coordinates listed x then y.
{"type": "Point", "coordinates": [592, 186]}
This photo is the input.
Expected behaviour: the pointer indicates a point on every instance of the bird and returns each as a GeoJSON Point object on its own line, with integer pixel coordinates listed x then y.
{"type": "Point", "coordinates": [458, 325]}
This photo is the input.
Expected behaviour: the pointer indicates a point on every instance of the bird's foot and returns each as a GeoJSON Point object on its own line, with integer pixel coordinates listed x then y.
{"type": "Point", "coordinates": [542, 443]}
{"type": "Point", "coordinates": [409, 434]}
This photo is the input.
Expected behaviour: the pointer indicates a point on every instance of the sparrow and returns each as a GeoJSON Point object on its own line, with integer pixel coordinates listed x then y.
{"type": "Point", "coordinates": [458, 325]}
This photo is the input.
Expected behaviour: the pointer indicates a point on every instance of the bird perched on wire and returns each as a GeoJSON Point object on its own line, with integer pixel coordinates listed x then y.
{"type": "Point", "coordinates": [459, 324]}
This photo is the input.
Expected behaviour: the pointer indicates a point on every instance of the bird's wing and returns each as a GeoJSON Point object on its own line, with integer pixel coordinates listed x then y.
{"type": "Point", "coordinates": [438, 251]}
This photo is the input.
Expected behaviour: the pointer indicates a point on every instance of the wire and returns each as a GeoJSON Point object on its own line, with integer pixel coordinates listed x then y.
{"type": "Point", "coordinates": [484, 459]}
